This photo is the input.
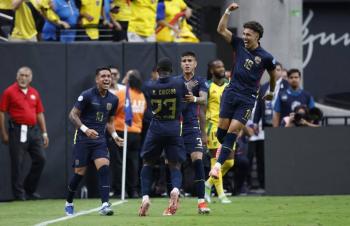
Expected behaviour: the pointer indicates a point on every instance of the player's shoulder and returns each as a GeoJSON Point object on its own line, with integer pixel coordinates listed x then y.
{"type": "Point", "coordinates": [265, 53]}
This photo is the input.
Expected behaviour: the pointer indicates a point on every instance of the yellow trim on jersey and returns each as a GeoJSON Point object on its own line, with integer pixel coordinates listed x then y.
{"type": "Point", "coordinates": [75, 137]}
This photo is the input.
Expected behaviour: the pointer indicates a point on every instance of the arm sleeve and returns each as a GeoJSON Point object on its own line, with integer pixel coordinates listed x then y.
{"type": "Point", "coordinates": [236, 42]}
{"type": "Point", "coordinates": [160, 11]}
{"type": "Point", "coordinates": [277, 107]}
{"type": "Point", "coordinates": [39, 107]}
{"type": "Point", "coordinates": [4, 102]}
{"type": "Point", "coordinates": [203, 86]}
{"type": "Point", "coordinates": [82, 101]}
{"type": "Point", "coordinates": [270, 63]}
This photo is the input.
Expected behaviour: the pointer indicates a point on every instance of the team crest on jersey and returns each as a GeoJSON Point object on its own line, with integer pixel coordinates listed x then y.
{"type": "Point", "coordinates": [33, 97]}
{"type": "Point", "coordinates": [257, 60]}
{"type": "Point", "coordinates": [284, 97]}
{"type": "Point", "coordinates": [109, 106]}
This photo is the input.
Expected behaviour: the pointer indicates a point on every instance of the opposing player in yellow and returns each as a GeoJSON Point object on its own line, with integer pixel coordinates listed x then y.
{"type": "Point", "coordinates": [217, 83]}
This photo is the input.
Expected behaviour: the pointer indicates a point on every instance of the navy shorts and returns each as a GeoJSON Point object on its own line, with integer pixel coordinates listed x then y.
{"type": "Point", "coordinates": [235, 107]}
{"type": "Point", "coordinates": [172, 146]}
{"type": "Point", "coordinates": [192, 139]}
{"type": "Point", "coordinates": [84, 152]}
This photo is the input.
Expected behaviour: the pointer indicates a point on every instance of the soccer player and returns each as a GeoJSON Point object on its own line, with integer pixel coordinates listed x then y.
{"type": "Point", "coordinates": [166, 97]}
{"type": "Point", "coordinates": [240, 95]}
{"type": "Point", "coordinates": [192, 132]}
{"type": "Point", "coordinates": [91, 115]}
{"type": "Point", "coordinates": [217, 83]}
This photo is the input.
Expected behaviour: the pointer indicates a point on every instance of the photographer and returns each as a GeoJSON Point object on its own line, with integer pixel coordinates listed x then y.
{"type": "Point", "coordinates": [300, 117]}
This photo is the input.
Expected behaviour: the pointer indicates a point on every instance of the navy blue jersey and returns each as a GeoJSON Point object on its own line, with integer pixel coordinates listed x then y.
{"type": "Point", "coordinates": [190, 113]}
{"type": "Point", "coordinates": [166, 98]}
{"type": "Point", "coordinates": [95, 112]}
{"type": "Point", "coordinates": [248, 68]}
{"type": "Point", "coordinates": [289, 99]}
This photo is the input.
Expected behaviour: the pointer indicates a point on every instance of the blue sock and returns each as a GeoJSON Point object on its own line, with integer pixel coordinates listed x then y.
{"type": "Point", "coordinates": [220, 134]}
{"type": "Point", "coordinates": [103, 176]}
{"type": "Point", "coordinates": [226, 147]}
{"type": "Point", "coordinates": [199, 177]}
{"type": "Point", "coordinates": [146, 179]}
{"type": "Point", "coordinates": [72, 187]}
{"type": "Point", "coordinates": [176, 178]}
{"type": "Point", "coordinates": [168, 177]}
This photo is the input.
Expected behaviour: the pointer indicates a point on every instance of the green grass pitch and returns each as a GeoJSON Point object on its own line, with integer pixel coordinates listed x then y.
{"type": "Point", "coordinates": [255, 211]}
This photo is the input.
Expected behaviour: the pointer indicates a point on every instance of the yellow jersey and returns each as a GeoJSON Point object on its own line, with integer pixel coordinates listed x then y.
{"type": "Point", "coordinates": [171, 9]}
{"type": "Point", "coordinates": [93, 8]}
{"type": "Point", "coordinates": [214, 96]}
{"type": "Point", "coordinates": [5, 4]}
{"type": "Point", "coordinates": [143, 19]}
{"type": "Point", "coordinates": [124, 13]}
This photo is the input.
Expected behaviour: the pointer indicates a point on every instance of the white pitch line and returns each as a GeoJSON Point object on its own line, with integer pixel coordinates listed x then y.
{"type": "Point", "coordinates": [84, 212]}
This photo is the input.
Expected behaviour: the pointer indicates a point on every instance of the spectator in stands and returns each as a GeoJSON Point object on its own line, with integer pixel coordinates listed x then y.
{"type": "Point", "coordinates": [171, 20]}
{"type": "Point", "coordinates": [6, 9]}
{"type": "Point", "coordinates": [67, 12]}
{"type": "Point", "coordinates": [143, 21]}
{"type": "Point", "coordinates": [284, 74]}
{"type": "Point", "coordinates": [292, 97]}
{"type": "Point", "coordinates": [138, 103]}
{"type": "Point", "coordinates": [120, 16]}
{"type": "Point", "coordinates": [29, 19]}
{"type": "Point", "coordinates": [300, 117]}
{"type": "Point", "coordinates": [90, 13]}
{"type": "Point", "coordinates": [25, 110]}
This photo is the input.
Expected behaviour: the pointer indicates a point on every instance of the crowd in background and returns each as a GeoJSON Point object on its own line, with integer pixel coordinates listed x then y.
{"type": "Point", "coordinates": [84, 20]}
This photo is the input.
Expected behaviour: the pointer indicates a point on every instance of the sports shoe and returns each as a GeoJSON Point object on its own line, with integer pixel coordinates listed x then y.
{"type": "Point", "coordinates": [144, 208]}
{"type": "Point", "coordinates": [173, 203]}
{"type": "Point", "coordinates": [106, 209]}
{"type": "Point", "coordinates": [214, 172]}
{"type": "Point", "coordinates": [224, 200]}
{"type": "Point", "coordinates": [203, 208]}
{"type": "Point", "coordinates": [69, 209]}
{"type": "Point", "coordinates": [207, 194]}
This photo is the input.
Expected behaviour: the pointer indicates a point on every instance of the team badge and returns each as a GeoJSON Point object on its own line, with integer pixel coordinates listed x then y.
{"type": "Point", "coordinates": [284, 97]}
{"type": "Point", "coordinates": [257, 60]}
{"type": "Point", "coordinates": [80, 98]}
{"type": "Point", "coordinates": [33, 97]}
{"type": "Point", "coordinates": [109, 106]}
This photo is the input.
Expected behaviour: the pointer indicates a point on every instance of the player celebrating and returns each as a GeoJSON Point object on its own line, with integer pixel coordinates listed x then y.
{"type": "Point", "coordinates": [217, 84]}
{"type": "Point", "coordinates": [191, 130]}
{"type": "Point", "coordinates": [94, 110]}
{"type": "Point", "coordinates": [240, 95]}
{"type": "Point", "coordinates": [166, 96]}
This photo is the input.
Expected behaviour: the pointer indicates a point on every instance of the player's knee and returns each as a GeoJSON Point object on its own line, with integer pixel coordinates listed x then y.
{"type": "Point", "coordinates": [103, 170]}
{"type": "Point", "coordinates": [220, 134]}
{"type": "Point", "coordinates": [197, 155]}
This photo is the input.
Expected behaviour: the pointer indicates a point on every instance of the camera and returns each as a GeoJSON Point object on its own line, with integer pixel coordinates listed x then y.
{"type": "Point", "coordinates": [301, 112]}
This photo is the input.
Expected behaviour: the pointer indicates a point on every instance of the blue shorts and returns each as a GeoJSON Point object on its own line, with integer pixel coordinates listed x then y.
{"type": "Point", "coordinates": [192, 139]}
{"type": "Point", "coordinates": [172, 146]}
{"type": "Point", "coordinates": [84, 152]}
{"type": "Point", "coordinates": [234, 107]}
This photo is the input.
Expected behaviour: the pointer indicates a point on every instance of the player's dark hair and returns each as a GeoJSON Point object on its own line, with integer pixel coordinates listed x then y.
{"type": "Point", "coordinates": [293, 70]}
{"type": "Point", "coordinates": [135, 81]}
{"type": "Point", "coordinates": [210, 66]}
{"type": "Point", "coordinates": [189, 53]}
{"type": "Point", "coordinates": [279, 64]}
{"type": "Point", "coordinates": [164, 66]}
{"type": "Point", "coordinates": [255, 26]}
{"type": "Point", "coordinates": [102, 69]}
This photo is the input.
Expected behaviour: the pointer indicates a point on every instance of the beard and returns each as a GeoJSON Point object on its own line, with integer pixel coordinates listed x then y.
{"type": "Point", "coordinates": [219, 76]}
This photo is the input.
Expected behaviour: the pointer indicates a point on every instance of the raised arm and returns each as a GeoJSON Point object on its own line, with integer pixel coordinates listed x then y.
{"type": "Point", "coordinates": [222, 27]}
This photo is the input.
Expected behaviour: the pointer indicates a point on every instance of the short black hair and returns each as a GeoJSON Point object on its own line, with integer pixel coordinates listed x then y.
{"type": "Point", "coordinates": [279, 64]}
{"type": "Point", "coordinates": [293, 70]}
{"type": "Point", "coordinates": [255, 26]}
{"type": "Point", "coordinates": [164, 65]}
{"type": "Point", "coordinates": [102, 69]}
{"type": "Point", "coordinates": [135, 80]}
{"type": "Point", "coordinates": [189, 53]}
{"type": "Point", "coordinates": [210, 66]}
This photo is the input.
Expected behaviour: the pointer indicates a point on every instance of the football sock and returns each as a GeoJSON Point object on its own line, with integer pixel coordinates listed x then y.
{"type": "Point", "coordinates": [220, 134]}
{"type": "Point", "coordinates": [146, 179]}
{"type": "Point", "coordinates": [227, 147]}
{"type": "Point", "coordinates": [176, 178]}
{"type": "Point", "coordinates": [103, 176]}
{"type": "Point", "coordinates": [199, 178]}
{"type": "Point", "coordinates": [72, 187]}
